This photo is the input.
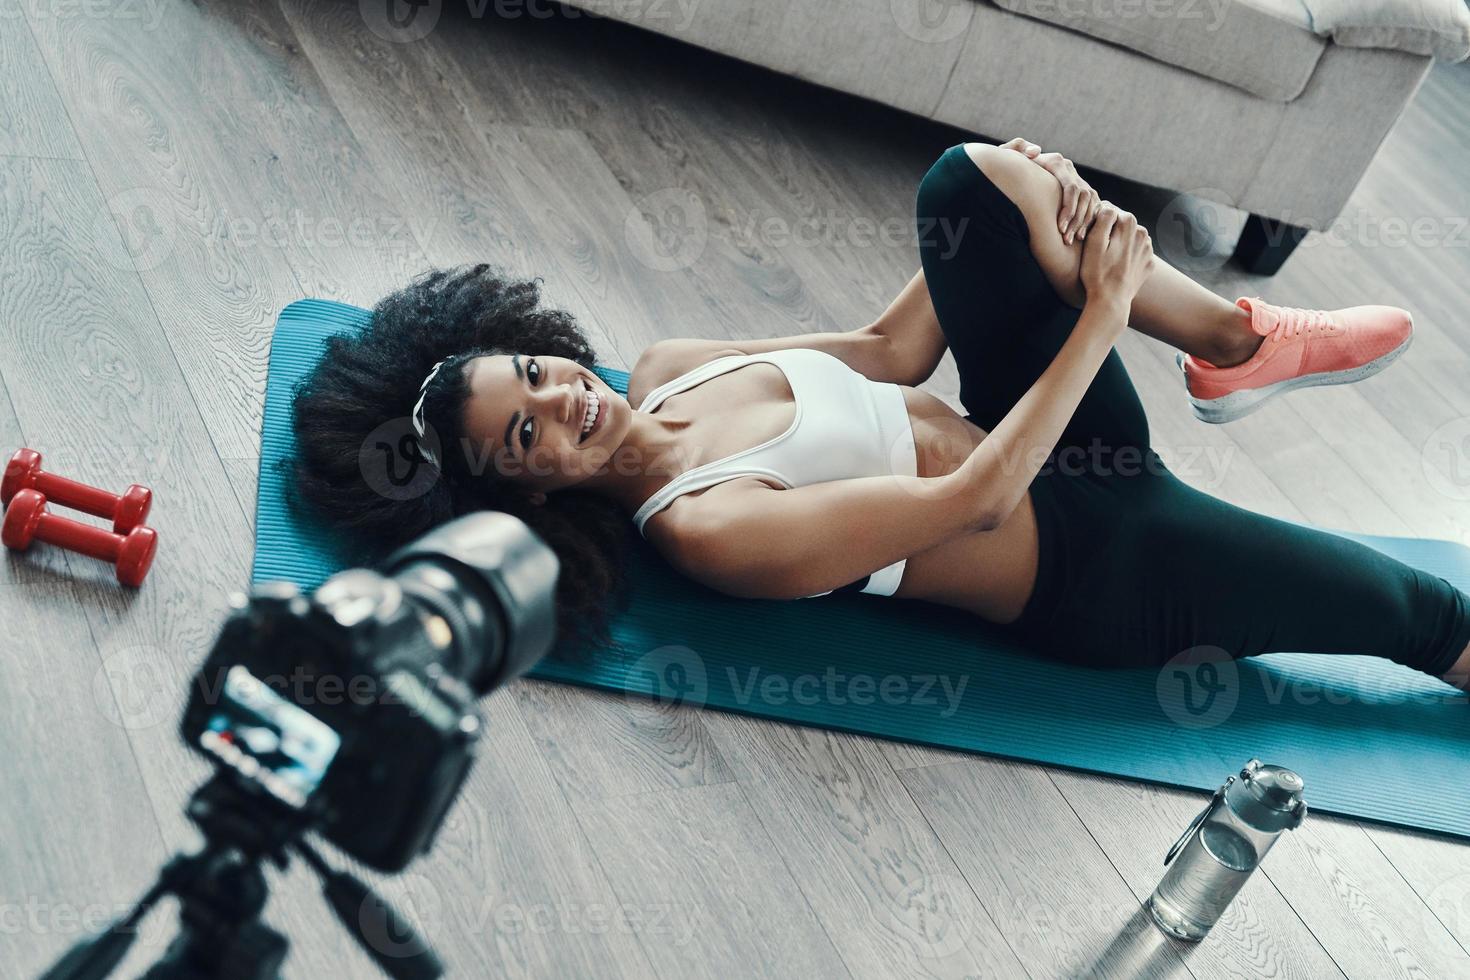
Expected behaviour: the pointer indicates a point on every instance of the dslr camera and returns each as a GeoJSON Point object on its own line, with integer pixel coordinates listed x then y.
{"type": "Point", "coordinates": [349, 713]}
{"type": "Point", "coordinates": [357, 705]}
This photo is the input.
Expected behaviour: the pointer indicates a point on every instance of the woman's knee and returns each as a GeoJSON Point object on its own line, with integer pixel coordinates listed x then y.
{"type": "Point", "coordinates": [1018, 178]}
{"type": "Point", "coordinates": [1032, 196]}
{"type": "Point", "coordinates": [959, 195]}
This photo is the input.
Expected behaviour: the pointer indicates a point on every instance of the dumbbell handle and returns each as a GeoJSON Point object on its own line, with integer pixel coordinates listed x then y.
{"type": "Point", "coordinates": [76, 536]}
{"type": "Point", "coordinates": [78, 496]}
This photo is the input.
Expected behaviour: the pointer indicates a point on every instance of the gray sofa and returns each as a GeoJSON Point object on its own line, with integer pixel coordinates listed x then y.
{"type": "Point", "coordinates": [1275, 107]}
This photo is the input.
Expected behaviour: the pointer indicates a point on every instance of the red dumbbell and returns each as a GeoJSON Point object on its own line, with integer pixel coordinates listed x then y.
{"type": "Point", "coordinates": [126, 512]}
{"type": "Point", "coordinates": [27, 520]}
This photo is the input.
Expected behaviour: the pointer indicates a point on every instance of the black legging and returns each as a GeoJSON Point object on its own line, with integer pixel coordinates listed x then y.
{"type": "Point", "coordinates": [1135, 565]}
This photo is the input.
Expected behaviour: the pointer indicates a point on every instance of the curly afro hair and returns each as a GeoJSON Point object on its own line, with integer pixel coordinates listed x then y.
{"type": "Point", "coordinates": [368, 383]}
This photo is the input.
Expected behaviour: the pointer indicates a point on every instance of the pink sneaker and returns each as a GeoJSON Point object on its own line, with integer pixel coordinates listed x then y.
{"type": "Point", "coordinates": [1302, 348]}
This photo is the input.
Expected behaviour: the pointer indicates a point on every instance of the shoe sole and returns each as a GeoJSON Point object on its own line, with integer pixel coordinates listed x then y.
{"type": "Point", "coordinates": [1238, 404]}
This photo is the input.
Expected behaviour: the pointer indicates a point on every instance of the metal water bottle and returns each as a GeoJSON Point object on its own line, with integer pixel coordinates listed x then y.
{"type": "Point", "coordinates": [1223, 845]}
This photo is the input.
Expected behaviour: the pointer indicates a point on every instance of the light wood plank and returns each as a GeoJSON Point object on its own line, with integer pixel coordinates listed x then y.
{"type": "Point", "coordinates": [1359, 905]}
{"type": "Point", "coordinates": [865, 857]}
{"type": "Point", "coordinates": [1438, 869]}
{"type": "Point", "coordinates": [243, 474]}
{"type": "Point", "coordinates": [695, 865]}
{"type": "Point", "coordinates": [244, 196]}
{"type": "Point", "coordinates": [1050, 888]}
{"type": "Point", "coordinates": [601, 745]}
{"type": "Point", "coordinates": [33, 120]}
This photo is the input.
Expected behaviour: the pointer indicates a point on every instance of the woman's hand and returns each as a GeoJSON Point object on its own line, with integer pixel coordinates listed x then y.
{"type": "Point", "coordinates": [1116, 258]}
{"type": "Point", "coordinates": [1079, 201]}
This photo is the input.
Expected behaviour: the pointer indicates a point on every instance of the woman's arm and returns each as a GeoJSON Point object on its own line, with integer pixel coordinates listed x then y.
{"type": "Point", "coordinates": [913, 340]}
{"type": "Point", "coordinates": [746, 538]}
{"type": "Point", "coordinates": [749, 539]}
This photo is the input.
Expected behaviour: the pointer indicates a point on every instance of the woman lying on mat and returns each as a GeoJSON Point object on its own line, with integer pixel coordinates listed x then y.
{"type": "Point", "coordinates": [798, 466]}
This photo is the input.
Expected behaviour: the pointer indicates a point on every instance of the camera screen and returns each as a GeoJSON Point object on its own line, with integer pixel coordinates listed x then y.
{"type": "Point", "coordinates": [268, 739]}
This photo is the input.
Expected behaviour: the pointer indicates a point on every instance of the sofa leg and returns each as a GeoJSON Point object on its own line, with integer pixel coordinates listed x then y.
{"type": "Point", "coordinates": [1265, 244]}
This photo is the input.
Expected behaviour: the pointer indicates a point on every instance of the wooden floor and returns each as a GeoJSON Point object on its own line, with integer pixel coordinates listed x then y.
{"type": "Point", "coordinates": [172, 174]}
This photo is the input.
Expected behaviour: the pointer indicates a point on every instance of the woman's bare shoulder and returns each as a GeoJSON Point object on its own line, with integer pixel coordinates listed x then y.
{"type": "Point", "coordinates": [666, 359]}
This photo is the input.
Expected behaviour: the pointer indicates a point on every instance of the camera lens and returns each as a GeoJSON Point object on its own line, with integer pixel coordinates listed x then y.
{"type": "Point", "coordinates": [493, 584]}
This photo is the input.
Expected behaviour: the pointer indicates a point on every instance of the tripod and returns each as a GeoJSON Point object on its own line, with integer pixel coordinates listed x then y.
{"type": "Point", "coordinates": [222, 891]}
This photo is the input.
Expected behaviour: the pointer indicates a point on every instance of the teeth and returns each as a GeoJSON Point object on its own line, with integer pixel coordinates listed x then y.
{"type": "Point", "coordinates": [593, 407]}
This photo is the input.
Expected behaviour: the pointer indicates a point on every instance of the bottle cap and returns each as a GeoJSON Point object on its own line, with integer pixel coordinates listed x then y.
{"type": "Point", "coordinates": [1267, 798]}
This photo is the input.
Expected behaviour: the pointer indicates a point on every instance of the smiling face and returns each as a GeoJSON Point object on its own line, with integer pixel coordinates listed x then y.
{"type": "Point", "coordinates": [530, 415]}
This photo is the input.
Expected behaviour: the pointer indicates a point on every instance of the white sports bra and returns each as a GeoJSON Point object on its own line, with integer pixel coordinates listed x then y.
{"type": "Point", "coordinates": [845, 426]}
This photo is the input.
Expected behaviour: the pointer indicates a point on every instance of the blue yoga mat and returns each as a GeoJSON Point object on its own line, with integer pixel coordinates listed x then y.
{"type": "Point", "coordinates": [1372, 739]}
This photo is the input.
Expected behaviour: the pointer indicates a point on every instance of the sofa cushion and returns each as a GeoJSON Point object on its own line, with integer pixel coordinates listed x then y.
{"type": "Point", "coordinates": [1232, 41]}
{"type": "Point", "coordinates": [1434, 27]}
{"type": "Point", "coordinates": [1438, 28]}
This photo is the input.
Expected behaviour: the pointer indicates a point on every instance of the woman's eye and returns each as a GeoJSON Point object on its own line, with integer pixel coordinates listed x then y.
{"type": "Point", "coordinates": [527, 431]}
{"type": "Point", "coordinates": [536, 376]}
